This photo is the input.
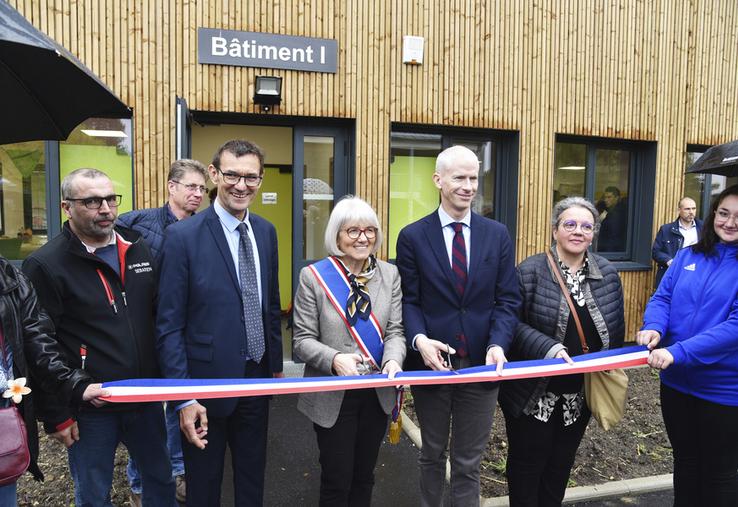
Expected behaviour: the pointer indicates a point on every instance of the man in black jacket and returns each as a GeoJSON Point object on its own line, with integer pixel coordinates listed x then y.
{"type": "Point", "coordinates": [681, 233]}
{"type": "Point", "coordinates": [98, 284]}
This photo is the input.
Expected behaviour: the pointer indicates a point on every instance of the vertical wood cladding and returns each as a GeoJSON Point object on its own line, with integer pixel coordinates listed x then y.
{"type": "Point", "coordinates": [661, 70]}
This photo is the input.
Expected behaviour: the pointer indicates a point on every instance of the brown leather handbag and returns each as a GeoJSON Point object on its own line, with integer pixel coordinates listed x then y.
{"type": "Point", "coordinates": [14, 455]}
{"type": "Point", "coordinates": [605, 391]}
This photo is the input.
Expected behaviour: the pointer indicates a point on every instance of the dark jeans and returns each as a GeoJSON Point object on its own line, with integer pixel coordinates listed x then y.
{"type": "Point", "coordinates": [540, 456]}
{"type": "Point", "coordinates": [349, 450]}
{"type": "Point", "coordinates": [704, 438]}
{"type": "Point", "coordinates": [174, 444]}
{"type": "Point", "coordinates": [91, 458]}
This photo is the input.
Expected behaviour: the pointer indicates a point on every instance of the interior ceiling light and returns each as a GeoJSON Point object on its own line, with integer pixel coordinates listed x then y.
{"type": "Point", "coordinates": [104, 133]}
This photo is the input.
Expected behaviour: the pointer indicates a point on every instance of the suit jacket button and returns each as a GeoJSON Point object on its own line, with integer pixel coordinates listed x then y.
{"type": "Point", "coordinates": [242, 352]}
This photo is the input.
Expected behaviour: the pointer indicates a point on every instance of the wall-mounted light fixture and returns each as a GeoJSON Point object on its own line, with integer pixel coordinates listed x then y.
{"type": "Point", "coordinates": [268, 91]}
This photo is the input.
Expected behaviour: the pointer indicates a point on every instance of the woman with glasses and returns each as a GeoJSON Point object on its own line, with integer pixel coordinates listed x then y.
{"type": "Point", "coordinates": [691, 326]}
{"type": "Point", "coordinates": [348, 321]}
{"type": "Point", "coordinates": [546, 417]}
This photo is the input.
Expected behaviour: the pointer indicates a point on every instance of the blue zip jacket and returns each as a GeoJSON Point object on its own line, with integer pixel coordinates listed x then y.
{"type": "Point", "coordinates": [696, 311]}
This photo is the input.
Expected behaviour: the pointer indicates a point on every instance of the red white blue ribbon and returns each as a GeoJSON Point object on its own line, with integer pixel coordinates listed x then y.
{"type": "Point", "coordinates": [140, 390]}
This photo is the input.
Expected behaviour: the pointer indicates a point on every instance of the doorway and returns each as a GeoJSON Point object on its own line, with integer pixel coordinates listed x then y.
{"type": "Point", "coordinates": [307, 168]}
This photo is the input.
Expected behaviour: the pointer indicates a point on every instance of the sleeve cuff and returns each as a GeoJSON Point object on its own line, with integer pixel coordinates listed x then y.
{"type": "Point", "coordinates": [185, 404]}
{"type": "Point", "coordinates": [64, 425]}
{"type": "Point", "coordinates": [554, 350]}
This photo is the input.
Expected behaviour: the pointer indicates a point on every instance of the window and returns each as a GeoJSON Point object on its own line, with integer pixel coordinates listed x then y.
{"type": "Point", "coordinates": [23, 218]}
{"type": "Point", "coordinates": [30, 174]}
{"type": "Point", "coordinates": [618, 177]}
{"type": "Point", "coordinates": [413, 152]}
{"type": "Point", "coordinates": [703, 187]}
{"type": "Point", "coordinates": [103, 144]}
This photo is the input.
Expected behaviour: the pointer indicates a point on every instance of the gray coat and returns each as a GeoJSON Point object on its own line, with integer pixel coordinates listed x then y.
{"type": "Point", "coordinates": [540, 333]}
{"type": "Point", "coordinates": [320, 334]}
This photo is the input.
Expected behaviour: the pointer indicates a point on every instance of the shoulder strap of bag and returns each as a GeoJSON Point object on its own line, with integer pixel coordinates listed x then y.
{"type": "Point", "coordinates": [580, 331]}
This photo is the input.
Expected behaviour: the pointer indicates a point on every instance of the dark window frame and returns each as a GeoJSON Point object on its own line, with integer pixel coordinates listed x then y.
{"type": "Point", "coordinates": [706, 197]}
{"type": "Point", "coordinates": [506, 162]}
{"type": "Point", "coordinates": [641, 191]}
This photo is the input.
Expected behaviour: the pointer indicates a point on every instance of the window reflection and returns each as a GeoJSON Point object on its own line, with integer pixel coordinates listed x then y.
{"type": "Point", "coordinates": [602, 173]}
{"type": "Point", "coordinates": [317, 192]}
{"type": "Point", "coordinates": [413, 194]}
{"type": "Point", "coordinates": [103, 144]}
{"type": "Point", "coordinates": [703, 187]}
{"type": "Point", "coordinates": [22, 199]}
{"type": "Point", "coordinates": [612, 172]}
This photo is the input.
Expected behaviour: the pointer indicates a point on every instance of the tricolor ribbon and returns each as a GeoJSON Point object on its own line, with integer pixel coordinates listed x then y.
{"type": "Point", "coordinates": [141, 390]}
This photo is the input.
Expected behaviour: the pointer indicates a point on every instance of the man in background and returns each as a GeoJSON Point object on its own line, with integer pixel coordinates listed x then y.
{"type": "Point", "coordinates": [681, 233]}
{"type": "Point", "coordinates": [614, 225]}
{"type": "Point", "coordinates": [186, 186]}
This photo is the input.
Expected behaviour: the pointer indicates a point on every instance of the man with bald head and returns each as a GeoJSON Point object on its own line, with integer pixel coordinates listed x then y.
{"type": "Point", "coordinates": [460, 308]}
{"type": "Point", "coordinates": [681, 233]}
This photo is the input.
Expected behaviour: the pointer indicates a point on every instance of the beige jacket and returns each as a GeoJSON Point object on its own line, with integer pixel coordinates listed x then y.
{"type": "Point", "coordinates": [319, 334]}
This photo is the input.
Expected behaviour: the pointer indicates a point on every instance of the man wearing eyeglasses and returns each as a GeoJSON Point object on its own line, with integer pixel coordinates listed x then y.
{"type": "Point", "coordinates": [219, 317]}
{"type": "Point", "coordinates": [98, 284]}
{"type": "Point", "coordinates": [186, 186]}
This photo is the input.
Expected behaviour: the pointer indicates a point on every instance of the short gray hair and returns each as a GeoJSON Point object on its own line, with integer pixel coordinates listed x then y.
{"type": "Point", "coordinates": [447, 157]}
{"type": "Point", "coordinates": [67, 183]}
{"type": "Point", "coordinates": [350, 210]}
{"type": "Point", "coordinates": [574, 202]}
{"type": "Point", "coordinates": [184, 165]}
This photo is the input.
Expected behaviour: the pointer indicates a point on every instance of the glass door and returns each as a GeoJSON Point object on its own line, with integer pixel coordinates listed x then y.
{"type": "Point", "coordinates": [320, 177]}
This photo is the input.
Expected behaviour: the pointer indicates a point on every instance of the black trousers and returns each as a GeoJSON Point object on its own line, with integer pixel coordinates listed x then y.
{"type": "Point", "coordinates": [704, 438]}
{"type": "Point", "coordinates": [540, 456]}
{"type": "Point", "coordinates": [349, 450]}
{"type": "Point", "coordinates": [244, 431]}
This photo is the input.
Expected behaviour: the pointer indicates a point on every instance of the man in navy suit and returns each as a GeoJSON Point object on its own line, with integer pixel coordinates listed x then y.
{"type": "Point", "coordinates": [208, 327]}
{"type": "Point", "coordinates": [460, 308]}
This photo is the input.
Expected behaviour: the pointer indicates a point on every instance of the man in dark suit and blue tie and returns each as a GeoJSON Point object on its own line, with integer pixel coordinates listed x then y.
{"type": "Point", "coordinates": [219, 317]}
{"type": "Point", "coordinates": [460, 308]}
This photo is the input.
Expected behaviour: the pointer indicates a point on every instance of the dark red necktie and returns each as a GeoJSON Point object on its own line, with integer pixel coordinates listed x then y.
{"type": "Point", "coordinates": [458, 257]}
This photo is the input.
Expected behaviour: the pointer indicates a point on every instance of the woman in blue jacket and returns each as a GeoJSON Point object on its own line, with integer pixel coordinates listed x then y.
{"type": "Point", "coordinates": [693, 319]}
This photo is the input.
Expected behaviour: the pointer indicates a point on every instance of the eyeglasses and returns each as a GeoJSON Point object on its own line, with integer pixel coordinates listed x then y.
{"type": "Point", "coordinates": [192, 187]}
{"type": "Point", "coordinates": [233, 178]}
{"type": "Point", "coordinates": [587, 228]}
{"type": "Point", "coordinates": [723, 215]}
{"type": "Point", "coordinates": [96, 202]}
{"type": "Point", "coordinates": [355, 232]}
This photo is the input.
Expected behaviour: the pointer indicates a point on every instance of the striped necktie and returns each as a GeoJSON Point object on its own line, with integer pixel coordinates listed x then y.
{"type": "Point", "coordinates": [458, 257]}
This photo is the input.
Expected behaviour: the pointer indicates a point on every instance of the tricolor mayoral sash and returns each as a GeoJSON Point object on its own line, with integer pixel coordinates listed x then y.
{"type": "Point", "coordinates": [367, 334]}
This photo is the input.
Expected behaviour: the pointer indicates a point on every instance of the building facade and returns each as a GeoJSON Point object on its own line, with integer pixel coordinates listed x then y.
{"type": "Point", "coordinates": [557, 98]}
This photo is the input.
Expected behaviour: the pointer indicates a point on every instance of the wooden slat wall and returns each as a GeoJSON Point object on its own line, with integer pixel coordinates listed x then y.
{"type": "Point", "coordinates": [661, 70]}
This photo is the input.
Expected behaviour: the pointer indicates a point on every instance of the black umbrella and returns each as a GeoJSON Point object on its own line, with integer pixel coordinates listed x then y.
{"type": "Point", "coordinates": [45, 92]}
{"type": "Point", "coordinates": [720, 159]}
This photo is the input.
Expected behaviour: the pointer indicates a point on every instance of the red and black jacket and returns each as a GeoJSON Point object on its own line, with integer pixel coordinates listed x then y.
{"type": "Point", "coordinates": [105, 318]}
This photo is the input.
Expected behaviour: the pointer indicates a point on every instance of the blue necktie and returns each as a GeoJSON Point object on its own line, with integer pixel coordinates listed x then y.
{"type": "Point", "coordinates": [250, 295]}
